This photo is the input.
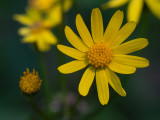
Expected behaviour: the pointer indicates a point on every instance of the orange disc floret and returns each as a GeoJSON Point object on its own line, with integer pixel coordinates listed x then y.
{"type": "Point", "coordinates": [30, 83]}
{"type": "Point", "coordinates": [99, 55]}
{"type": "Point", "coordinates": [37, 27]}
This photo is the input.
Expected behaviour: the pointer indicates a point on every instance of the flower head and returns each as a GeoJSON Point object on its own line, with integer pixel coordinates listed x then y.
{"type": "Point", "coordinates": [46, 5]}
{"type": "Point", "coordinates": [41, 4]}
{"type": "Point", "coordinates": [37, 28]}
{"type": "Point", "coordinates": [104, 52]}
{"type": "Point", "coordinates": [30, 83]}
{"type": "Point", "coordinates": [135, 7]}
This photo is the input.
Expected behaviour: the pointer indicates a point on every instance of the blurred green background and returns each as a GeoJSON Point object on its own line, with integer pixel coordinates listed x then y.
{"type": "Point", "coordinates": [143, 88]}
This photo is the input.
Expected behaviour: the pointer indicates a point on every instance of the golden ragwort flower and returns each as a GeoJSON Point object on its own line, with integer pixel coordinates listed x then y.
{"type": "Point", "coordinates": [37, 28]}
{"type": "Point", "coordinates": [30, 83]}
{"type": "Point", "coordinates": [46, 5]}
{"type": "Point", "coordinates": [135, 7]}
{"type": "Point", "coordinates": [104, 52]}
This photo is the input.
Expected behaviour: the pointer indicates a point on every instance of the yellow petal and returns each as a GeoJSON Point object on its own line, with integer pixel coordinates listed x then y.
{"type": "Point", "coordinates": [102, 86]}
{"type": "Point", "coordinates": [49, 37]}
{"type": "Point", "coordinates": [130, 60]}
{"type": "Point", "coordinates": [121, 68]}
{"type": "Point", "coordinates": [154, 6]}
{"type": "Point", "coordinates": [75, 40]}
{"type": "Point", "coordinates": [72, 66]}
{"type": "Point", "coordinates": [29, 39]}
{"type": "Point", "coordinates": [86, 81]}
{"type": "Point", "coordinates": [131, 46]}
{"type": "Point", "coordinates": [113, 4]}
{"type": "Point", "coordinates": [72, 52]}
{"type": "Point", "coordinates": [24, 31]}
{"type": "Point", "coordinates": [115, 82]}
{"type": "Point", "coordinates": [23, 19]}
{"type": "Point", "coordinates": [67, 5]}
{"type": "Point", "coordinates": [83, 31]}
{"type": "Point", "coordinates": [113, 27]}
{"type": "Point", "coordinates": [97, 25]}
{"type": "Point", "coordinates": [123, 34]}
{"type": "Point", "coordinates": [42, 46]}
{"type": "Point", "coordinates": [34, 14]}
{"type": "Point", "coordinates": [134, 10]}
{"type": "Point", "coordinates": [54, 16]}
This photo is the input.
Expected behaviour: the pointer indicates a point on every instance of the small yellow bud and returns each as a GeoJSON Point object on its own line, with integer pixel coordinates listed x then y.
{"type": "Point", "coordinates": [30, 83]}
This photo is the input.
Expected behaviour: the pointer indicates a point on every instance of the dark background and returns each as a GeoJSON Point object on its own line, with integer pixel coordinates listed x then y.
{"type": "Point", "coordinates": [143, 88]}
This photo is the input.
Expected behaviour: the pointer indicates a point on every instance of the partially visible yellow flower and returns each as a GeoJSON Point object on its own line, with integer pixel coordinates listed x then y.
{"type": "Point", "coordinates": [67, 4]}
{"type": "Point", "coordinates": [37, 27]}
{"type": "Point", "coordinates": [104, 52]}
{"type": "Point", "coordinates": [41, 4]}
{"type": "Point", "coordinates": [30, 83]}
{"type": "Point", "coordinates": [46, 5]}
{"type": "Point", "coordinates": [135, 7]}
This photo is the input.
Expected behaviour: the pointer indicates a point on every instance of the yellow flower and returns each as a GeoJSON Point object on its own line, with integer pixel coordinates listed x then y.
{"type": "Point", "coordinates": [30, 83]}
{"type": "Point", "coordinates": [135, 7]}
{"type": "Point", "coordinates": [46, 5]}
{"type": "Point", "coordinates": [104, 52]}
{"type": "Point", "coordinates": [41, 4]}
{"type": "Point", "coordinates": [37, 28]}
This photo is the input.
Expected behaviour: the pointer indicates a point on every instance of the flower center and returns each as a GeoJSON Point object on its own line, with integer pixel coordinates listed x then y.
{"type": "Point", "coordinates": [37, 27]}
{"type": "Point", "coordinates": [99, 55]}
{"type": "Point", "coordinates": [30, 82]}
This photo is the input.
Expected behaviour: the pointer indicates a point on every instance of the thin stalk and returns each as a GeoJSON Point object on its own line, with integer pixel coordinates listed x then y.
{"type": "Point", "coordinates": [74, 108]}
{"type": "Point", "coordinates": [76, 4]}
{"type": "Point", "coordinates": [37, 110]}
{"type": "Point", "coordinates": [61, 61]}
{"type": "Point", "coordinates": [145, 24]}
{"type": "Point", "coordinates": [45, 82]}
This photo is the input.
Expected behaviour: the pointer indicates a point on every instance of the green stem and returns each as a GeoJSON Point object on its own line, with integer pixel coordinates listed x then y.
{"type": "Point", "coordinates": [45, 82]}
{"type": "Point", "coordinates": [37, 110]}
{"type": "Point", "coordinates": [76, 6]}
{"type": "Point", "coordinates": [99, 109]}
{"type": "Point", "coordinates": [73, 109]}
{"type": "Point", "coordinates": [61, 61]}
{"type": "Point", "coordinates": [145, 24]}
